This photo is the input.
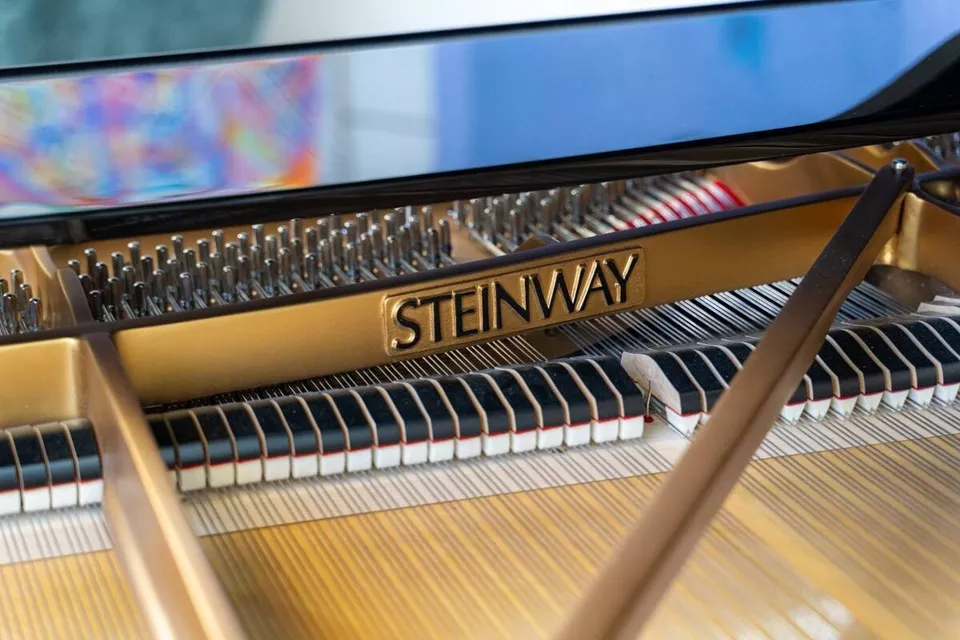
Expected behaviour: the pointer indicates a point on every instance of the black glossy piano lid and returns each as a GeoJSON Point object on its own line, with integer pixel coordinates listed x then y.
{"type": "Point", "coordinates": [230, 132]}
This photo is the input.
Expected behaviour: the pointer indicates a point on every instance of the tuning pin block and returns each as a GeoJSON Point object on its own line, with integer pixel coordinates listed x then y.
{"type": "Point", "coordinates": [367, 245]}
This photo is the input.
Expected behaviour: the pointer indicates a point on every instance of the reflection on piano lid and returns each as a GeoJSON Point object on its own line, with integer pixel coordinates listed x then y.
{"type": "Point", "coordinates": [847, 89]}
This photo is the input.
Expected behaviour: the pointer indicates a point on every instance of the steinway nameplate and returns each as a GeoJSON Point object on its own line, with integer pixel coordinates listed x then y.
{"type": "Point", "coordinates": [456, 314]}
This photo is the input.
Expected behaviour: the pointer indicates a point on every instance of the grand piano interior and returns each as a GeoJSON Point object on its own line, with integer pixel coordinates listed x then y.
{"type": "Point", "coordinates": [398, 336]}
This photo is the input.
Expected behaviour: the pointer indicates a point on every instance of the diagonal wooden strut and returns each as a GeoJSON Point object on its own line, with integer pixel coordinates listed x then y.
{"type": "Point", "coordinates": [627, 590]}
{"type": "Point", "coordinates": [176, 588]}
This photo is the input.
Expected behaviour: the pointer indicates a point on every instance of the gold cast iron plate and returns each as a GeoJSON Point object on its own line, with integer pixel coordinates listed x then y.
{"type": "Point", "coordinates": [182, 360]}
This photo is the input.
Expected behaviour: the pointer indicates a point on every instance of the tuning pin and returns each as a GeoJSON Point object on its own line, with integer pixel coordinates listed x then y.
{"type": "Point", "coordinates": [271, 273]}
{"type": "Point", "coordinates": [499, 221]}
{"type": "Point", "coordinates": [186, 290]}
{"type": "Point", "coordinates": [160, 289]}
{"type": "Point", "coordinates": [162, 255]}
{"type": "Point", "coordinates": [406, 252]}
{"type": "Point", "coordinates": [334, 219]}
{"type": "Point", "coordinates": [233, 252]}
{"type": "Point", "coordinates": [256, 261]}
{"type": "Point", "coordinates": [134, 249]}
{"type": "Point", "coordinates": [33, 314]}
{"type": "Point", "coordinates": [296, 255]}
{"type": "Point", "coordinates": [393, 254]}
{"type": "Point", "coordinates": [10, 313]}
{"type": "Point", "coordinates": [597, 194]}
{"type": "Point", "coordinates": [353, 267]}
{"type": "Point", "coordinates": [24, 293]}
{"type": "Point", "coordinates": [363, 223]}
{"type": "Point", "coordinates": [547, 214]}
{"type": "Point", "coordinates": [312, 239]}
{"type": "Point", "coordinates": [129, 278]}
{"type": "Point", "coordinates": [477, 218]}
{"type": "Point", "coordinates": [173, 271]}
{"type": "Point", "coordinates": [323, 229]}
{"type": "Point", "coordinates": [243, 271]}
{"type": "Point", "coordinates": [516, 226]}
{"type": "Point", "coordinates": [285, 264]}
{"type": "Point", "coordinates": [203, 250]}
{"type": "Point", "coordinates": [350, 232]}
{"type": "Point", "coordinates": [272, 249]}
{"type": "Point", "coordinates": [336, 250]}
{"type": "Point", "coordinates": [296, 229]}
{"type": "Point", "coordinates": [16, 279]}
{"type": "Point", "coordinates": [605, 195]}
{"type": "Point", "coordinates": [446, 247]}
{"type": "Point", "coordinates": [390, 224]}
{"type": "Point", "coordinates": [475, 212]}
{"type": "Point", "coordinates": [91, 257]}
{"type": "Point", "coordinates": [117, 293]}
{"type": "Point", "coordinates": [148, 273]}
{"type": "Point", "coordinates": [530, 200]}
{"type": "Point", "coordinates": [458, 209]}
{"type": "Point", "coordinates": [312, 269]}
{"type": "Point", "coordinates": [495, 204]}
{"type": "Point", "coordinates": [487, 224]}
{"type": "Point", "coordinates": [177, 242]}
{"type": "Point", "coordinates": [95, 300]}
{"type": "Point", "coordinates": [575, 206]}
{"type": "Point", "coordinates": [522, 205]}
{"type": "Point", "coordinates": [102, 273]}
{"type": "Point", "coordinates": [324, 257]}
{"type": "Point", "coordinates": [243, 241]}
{"type": "Point", "coordinates": [284, 234]}
{"type": "Point", "coordinates": [259, 235]}
{"type": "Point", "coordinates": [366, 251]}
{"type": "Point", "coordinates": [86, 283]}
{"type": "Point", "coordinates": [140, 300]}
{"type": "Point", "coordinates": [190, 262]}
{"type": "Point", "coordinates": [621, 188]}
{"type": "Point", "coordinates": [113, 294]}
{"type": "Point", "coordinates": [74, 266]}
{"type": "Point", "coordinates": [203, 281]}
{"type": "Point", "coordinates": [117, 260]}
{"type": "Point", "coordinates": [216, 268]}
{"type": "Point", "coordinates": [376, 241]}
{"type": "Point", "coordinates": [416, 234]}
{"type": "Point", "coordinates": [146, 268]}
{"type": "Point", "coordinates": [219, 244]}
{"type": "Point", "coordinates": [426, 214]}
{"type": "Point", "coordinates": [433, 247]}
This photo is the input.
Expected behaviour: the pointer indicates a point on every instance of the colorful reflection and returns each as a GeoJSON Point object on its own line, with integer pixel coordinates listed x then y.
{"type": "Point", "coordinates": [105, 140]}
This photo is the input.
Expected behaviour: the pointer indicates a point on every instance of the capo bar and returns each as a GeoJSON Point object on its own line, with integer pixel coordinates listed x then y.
{"type": "Point", "coordinates": [627, 591]}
